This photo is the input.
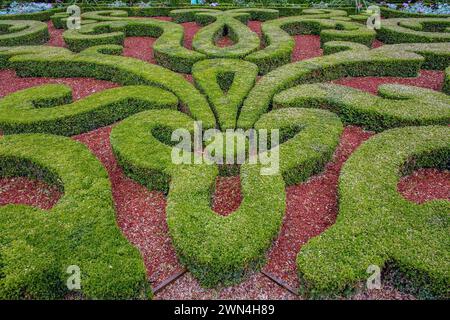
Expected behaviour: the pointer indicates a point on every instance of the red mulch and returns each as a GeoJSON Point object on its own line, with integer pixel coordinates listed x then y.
{"type": "Point", "coordinates": [311, 208]}
{"type": "Point", "coordinates": [81, 87]}
{"type": "Point", "coordinates": [431, 79]}
{"type": "Point", "coordinates": [190, 29]}
{"type": "Point", "coordinates": [227, 196]}
{"type": "Point", "coordinates": [21, 190]}
{"type": "Point", "coordinates": [139, 48]}
{"type": "Point", "coordinates": [255, 26]}
{"type": "Point", "coordinates": [425, 184]}
{"type": "Point", "coordinates": [140, 213]}
{"type": "Point", "coordinates": [56, 39]}
{"type": "Point", "coordinates": [306, 47]}
{"type": "Point", "coordinates": [225, 41]}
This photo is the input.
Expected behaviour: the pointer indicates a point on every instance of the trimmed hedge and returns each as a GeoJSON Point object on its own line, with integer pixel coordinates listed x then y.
{"type": "Point", "coordinates": [114, 26]}
{"type": "Point", "coordinates": [446, 87]}
{"type": "Point", "coordinates": [245, 40]}
{"type": "Point", "coordinates": [396, 105]}
{"type": "Point", "coordinates": [394, 60]}
{"type": "Point", "coordinates": [216, 249]}
{"type": "Point", "coordinates": [391, 13]}
{"type": "Point", "coordinates": [21, 32]}
{"type": "Point", "coordinates": [377, 226]}
{"type": "Point", "coordinates": [414, 30]}
{"type": "Point", "coordinates": [38, 246]}
{"type": "Point", "coordinates": [37, 16]}
{"type": "Point", "coordinates": [226, 83]}
{"type": "Point", "coordinates": [59, 62]}
{"type": "Point", "coordinates": [308, 139]}
{"type": "Point", "coordinates": [280, 45]}
{"type": "Point", "coordinates": [47, 108]}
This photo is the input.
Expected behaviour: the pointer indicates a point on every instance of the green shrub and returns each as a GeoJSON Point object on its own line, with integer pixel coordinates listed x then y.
{"type": "Point", "coordinates": [47, 108]}
{"type": "Point", "coordinates": [226, 83]}
{"type": "Point", "coordinates": [397, 105]}
{"type": "Point", "coordinates": [114, 26]}
{"type": "Point", "coordinates": [59, 62]}
{"type": "Point", "coordinates": [280, 45]}
{"type": "Point", "coordinates": [414, 30]}
{"type": "Point", "coordinates": [308, 139]}
{"type": "Point", "coordinates": [18, 32]}
{"type": "Point", "coordinates": [394, 60]}
{"type": "Point", "coordinates": [446, 87]}
{"type": "Point", "coordinates": [376, 225]}
{"type": "Point", "coordinates": [38, 248]}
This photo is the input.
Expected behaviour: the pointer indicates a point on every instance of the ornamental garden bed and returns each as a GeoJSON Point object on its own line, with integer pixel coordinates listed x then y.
{"type": "Point", "coordinates": [88, 181]}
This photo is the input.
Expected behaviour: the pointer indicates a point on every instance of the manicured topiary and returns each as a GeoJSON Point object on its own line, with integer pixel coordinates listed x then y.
{"type": "Point", "coordinates": [245, 40]}
{"type": "Point", "coordinates": [396, 106]}
{"type": "Point", "coordinates": [186, 15]}
{"type": "Point", "coordinates": [308, 139]}
{"type": "Point", "coordinates": [376, 225]}
{"type": "Point", "coordinates": [60, 62]}
{"type": "Point", "coordinates": [21, 32]}
{"type": "Point", "coordinates": [394, 60]}
{"type": "Point", "coordinates": [38, 245]}
{"type": "Point", "coordinates": [414, 30]}
{"type": "Point", "coordinates": [47, 108]}
{"type": "Point", "coordinates": [446, 87]}
{"type": "Point", "coordinates": [114, 26]}
{"type": "Point", "coordinates": [226, 83]}
{"type": "Point", "coordinates": [279, 44]}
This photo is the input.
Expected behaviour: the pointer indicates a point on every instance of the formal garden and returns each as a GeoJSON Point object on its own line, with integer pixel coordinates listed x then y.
{"type": "Point", "coordinates": [93, 95]}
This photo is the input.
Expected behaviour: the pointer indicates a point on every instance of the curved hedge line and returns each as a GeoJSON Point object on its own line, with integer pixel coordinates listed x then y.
{"type": "Point", "coordinates": [38, 16]}
{"type": "Point", "coordinates": [280, 45]}
{"type": "Point", "coordinates": [22, 32]}
{"type": "Point", "coordinates": [396, 105]}
{"type": "Point", "coordinates": [376, 225]}
{"type": "Point", "coordinates": [308, 139]}
{"type": "Point", "coordinates": [217, 249]}
{"type": "Point", "coordinates": [114, 26]}
{"type": "Point", "coordinates": [226, 83]}
{"type": "Point", "coordinates": [38, 246]}
{"type": "Point", "coordinates": [394, 60]}
{"type": "Point", "coordinates": [446, 87]}
{"type": "Point", "coordinates": [414, 30]}
{"type": "Point", "coordinates": [47, 108]}
{"type": "Point", "coordinates": [43, 61]}
{"type": "Point", "coordinates": [245, 40]}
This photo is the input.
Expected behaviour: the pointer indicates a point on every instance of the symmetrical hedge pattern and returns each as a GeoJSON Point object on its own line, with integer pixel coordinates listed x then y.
{"type": "Point", "coordinates": [375, 225]}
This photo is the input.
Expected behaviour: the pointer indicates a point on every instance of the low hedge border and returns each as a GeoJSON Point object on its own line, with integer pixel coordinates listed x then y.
{"type": "Point", "coordinates": [38, 248]}
{"type": "Point", "coordinates": [114, 26]}
{"type": "Point", "coordinates": [377, 226]}
{"type": "Point", "coordinates": [396, 105]}
{"type": "Point", "coordinates": [403, 60]}
{"type": "Point", "coordinates": [280, 45]}
{"type": "Point", "coordinates": [245, 40]}
{"type": "Point", "coordinates": [44, 61]}
{"type": "Point", "coordinates": [20, 32]}
{"type": "Point", "coordinates": [446, 87]}
{"type": "Point", "coordinates": [37, 16]}
{"type": "Point", "coordinates": [226, 83]}
{"type": "Point", "coordinates": [308, 140]}
{"type": "Point", "coordinates": [414, 30]}
{"type": "Point", "coordinates": [391, 13]}
{"type": "Point", "coordinates": [47, 108]}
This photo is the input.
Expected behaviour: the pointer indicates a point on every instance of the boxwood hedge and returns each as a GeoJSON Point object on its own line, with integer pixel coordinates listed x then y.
{"type": "Point", "coordinates": [396, 105]}
{"type": "Point", "coordinates": [377, 226]}
{"type": "Point", "coordinates": [226, 83]}
{"type": "Point", "coordinates": [48, 108]}
{"type": "Point", "coordinates": [38, 246]}
{"type": "Point", "coordinates": [394, 60]}
{"type": "Point", "coordinates": [280, 45]}
{"type": "Point", "coordinates": [414, 30]}
{"type": "Point", "coordinates": [59, 62]}
{"type": "Point", "coordinates": [446, 87]}
{"type": "Point", "coordinates": [22, 32]}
